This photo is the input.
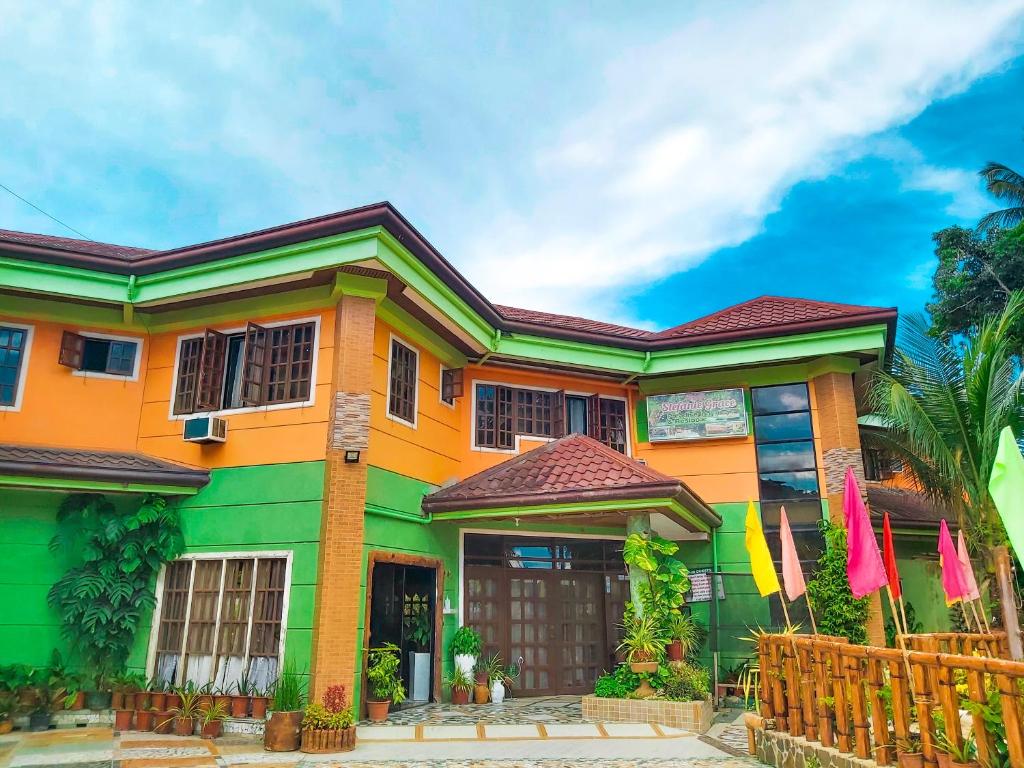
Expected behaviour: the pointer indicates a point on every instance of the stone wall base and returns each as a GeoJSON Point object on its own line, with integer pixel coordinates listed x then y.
{"type": "Point", "coordinates": [689, 715]}
{"type": "Point", "coordinates": [104, 718]}
{"type": "Point", "coordinates": [780, 749]}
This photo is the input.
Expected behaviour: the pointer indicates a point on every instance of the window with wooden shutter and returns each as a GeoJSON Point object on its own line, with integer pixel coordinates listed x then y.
{"type": "Point", "coordinates": [486, 411]}
{"type": "Point", "coordinates": [594, 417]}
{"type": "Point", "coordinates": [210, 386]}
{"type": "Point", "coordinates": [72, 350]}
{"type": "Point", "coordinates": [289, 363]}
{"type": "Point", "coordinates": [612, 427]}
{"type": "Point", "coordinates": [402, 382]}
{"type": "Point", "coordinates": [13, 345]}
{"type": "Point", "coordinates": [254, 365]}
{"type": "Point", "coordinates": [189, 354]}
{"type": "Point", "coordinates": [558, 414]}
{"type": "Point", "coordinates": [504, 422]}
{"type": "Point", "coordinates": [451, 384]}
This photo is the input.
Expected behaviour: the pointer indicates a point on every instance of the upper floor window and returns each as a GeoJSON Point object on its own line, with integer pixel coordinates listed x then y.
{"type": "Point", "coordinates": [503, 412]}
{"type": "Point", "coordinates": [451, 384]}
{"type": "Point", "coordinates": [99, 354]}
{"type": "Point", "coordinates": [14, 342]}
{"type": "Point", "coordinates": [403, 372]}
{"type": "Point", "coordinates": [263, 365]}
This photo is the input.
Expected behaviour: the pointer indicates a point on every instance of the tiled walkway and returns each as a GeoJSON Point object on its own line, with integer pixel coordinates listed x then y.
{"type": "Point", "coordinates": [542, 709]}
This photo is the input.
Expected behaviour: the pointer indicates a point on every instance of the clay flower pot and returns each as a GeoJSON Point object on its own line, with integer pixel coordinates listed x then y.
{"type": "Point", "coordinates": [239, 706]}
{"type": "Point", "coordinates": [123, 719]}
{"type": "Point", "coordinates": [322, 741]}
{"type": "Point", "coordinates": [117, 699]}
{"type": "Point", "coordinates": [225, 699]}
{"type": "Point", "coordinates": [163, 722]}
{"type": "Point", "coordinates": [640, 667]}
{"type": "Point", "coordinates": [173, 701]}
{"type": "Point", "coordinates": [206, 702]}
{"type": "Point", "coordinates": [129, 700]}
{"type": "Point", "coordinates": [460, 696]}
{"type": "Point", "coordinates": [212, 729]}
{"type": "Point", "coordinates": [282, 731]}
{"type": "Point", "coordinates": [675, 651]}
{"type": "Point", "coordinates": [144, 719]}
{"type": "Point", "coordinates": [158, 701]}
{"type": "Point", "coordinates": [481, 693]}
{"type": "Point", "coordinates": [79, 702]}
{"type": "Point", "coordinates": [259, 707]}
{"type": "Point", "coordinates": [377, 711]}
{"type": "Point", "coordinates": [184, 726]}
{"type": "Point", "coordinates": [911, 760]}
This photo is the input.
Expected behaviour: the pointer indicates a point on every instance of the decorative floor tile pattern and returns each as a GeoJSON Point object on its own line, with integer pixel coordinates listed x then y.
{"type": "Point", "coordinates": [542, 709]}
{"type": "Point", "coordinates": [699, 762]}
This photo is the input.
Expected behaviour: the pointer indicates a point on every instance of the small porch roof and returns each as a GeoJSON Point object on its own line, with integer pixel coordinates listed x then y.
{"type": "Point", "coordinates": [574, 475]}
{"type": "Point", "coordinates": [35, 466]}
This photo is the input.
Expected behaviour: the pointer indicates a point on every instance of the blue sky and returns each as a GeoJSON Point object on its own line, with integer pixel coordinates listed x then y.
{"type": "Point", "coordinates": [640, 165]}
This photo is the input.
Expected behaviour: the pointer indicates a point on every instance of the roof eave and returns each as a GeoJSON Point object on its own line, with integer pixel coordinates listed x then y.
{"type": "Point", "coordinates": [191, 479]}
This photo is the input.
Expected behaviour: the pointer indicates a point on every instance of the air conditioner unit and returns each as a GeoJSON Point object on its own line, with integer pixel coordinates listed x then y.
{"type": "Point", "coordinates": [205, 429]}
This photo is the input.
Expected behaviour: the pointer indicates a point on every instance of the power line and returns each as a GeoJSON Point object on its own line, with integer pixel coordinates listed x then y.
{"type": "Point", "coordinates": [29, 202]}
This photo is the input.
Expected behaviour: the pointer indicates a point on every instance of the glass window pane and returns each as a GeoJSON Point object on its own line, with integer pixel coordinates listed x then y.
{"type": "Point", "coordinates": [783, 398]}
{"type": "Point", "coordinates": [776, 457]}
{"type": "Point", "coordinates": [806, 513]}
{"type": "Point", "coordinates": [789, 485]}
{"type": "Point", "coordinates": [783, 426]}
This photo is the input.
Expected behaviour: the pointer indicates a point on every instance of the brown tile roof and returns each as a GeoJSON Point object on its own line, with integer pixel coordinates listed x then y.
{"type": "Point", "coordinates": [575, 468]}
{"type": "Point", "coordinates": [71, 245]}
{"type": "Point", "coordinates": [766, 312]}
{"type": "Point", "coordinates": [105, 466]}
{"type": "Point", "coordinates": [907, 509]}
{"type": "Point", "coordinates": [766, 316]}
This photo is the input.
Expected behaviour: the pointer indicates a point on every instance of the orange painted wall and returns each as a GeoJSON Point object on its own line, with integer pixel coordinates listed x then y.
{"type": "Point", "coordinates": [63, 408]}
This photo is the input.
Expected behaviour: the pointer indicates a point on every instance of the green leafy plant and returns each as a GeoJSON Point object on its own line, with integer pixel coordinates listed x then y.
{"type": "Point", "coordinates": [458, 680]}
{"type": "Point", "coordinates": [116, 554]}
{"type": "Point", "coordinates": [962, 753]}
{"type": "Point", "coordinates": [618, 684]}
{"type": "Point", "coordinates": [911, 744]}
{"type": "Point", "coordinates": [217, 713]}
{"type": "Point", "coordinates": [690, 633]}
{"type": "Point", "coordinates": [687, 682]}
{"type": "Point", "coordinates": [189, 708]}
{"type": "Point", "coordinates": [332, 713]}
{"type": "Point", "coordinates": [416, 619]}
{"type": "Point", "coordinates": [466, 642]}
{"type": "Point", "coordinates": [382, 676]}
{"type": "Point", "coordinates": [992, 714]}
{"type": "Point", "coordinates": [836, 610]}
{"type": "Point", "coordinates": [643, 639]}
{"type": "Point", "coordinates": [289, 691]}
{"type": "Point", "coordinates": [667, 578]}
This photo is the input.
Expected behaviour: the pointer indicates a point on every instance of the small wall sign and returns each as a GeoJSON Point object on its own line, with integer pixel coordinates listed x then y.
{"type": "Point", "coordinates": [697, 415]}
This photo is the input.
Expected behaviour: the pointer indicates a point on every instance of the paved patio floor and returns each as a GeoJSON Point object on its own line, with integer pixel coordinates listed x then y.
{"type": "Point", "coordinates": [540, 709]}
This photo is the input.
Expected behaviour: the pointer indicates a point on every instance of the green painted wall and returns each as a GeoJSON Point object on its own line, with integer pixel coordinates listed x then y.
{"type": "Point", "coordinates": [922, 582]}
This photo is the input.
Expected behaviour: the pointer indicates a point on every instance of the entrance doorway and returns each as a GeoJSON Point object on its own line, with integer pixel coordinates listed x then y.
{"type": "Point", "coordinates": [403, 611]}
{"type": "Point", "coordinates": [550, 605]}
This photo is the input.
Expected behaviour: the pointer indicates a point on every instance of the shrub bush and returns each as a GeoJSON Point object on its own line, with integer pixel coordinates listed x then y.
{"type": "Point", "coordinates": [687, 682]}
{"type": "Point", "coordinates": [618, 684]}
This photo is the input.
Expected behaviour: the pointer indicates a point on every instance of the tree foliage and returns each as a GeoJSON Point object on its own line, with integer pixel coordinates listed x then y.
{"type": "Point", "coordinates": [115, 555]}
{"type": "Point", "coordinates": [944, 405]}
{"type": "Point", "coordinates": [1006, 185]}
{"type": "Point", "coordinates": [836, 611]}
{"type": "Point", "coordinates": [974, 278]}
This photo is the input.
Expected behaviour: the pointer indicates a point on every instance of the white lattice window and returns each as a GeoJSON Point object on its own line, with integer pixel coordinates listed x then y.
{"type": "Point", "coordinates": [220, 617]}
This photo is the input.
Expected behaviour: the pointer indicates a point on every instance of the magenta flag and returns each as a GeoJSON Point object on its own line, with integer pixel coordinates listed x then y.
{"type": "Point", "coordinates": [952, 572]}
{"type": "Point", "coordinates": [973, 593]}
{"type": "Point", "coordinates": [792, 576]}
{"type": "Point", "coordinates": [864, 568]}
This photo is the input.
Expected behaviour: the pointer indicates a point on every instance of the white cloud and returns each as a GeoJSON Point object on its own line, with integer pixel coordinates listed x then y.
{"type": "Point", "coordinates": [700, 134]}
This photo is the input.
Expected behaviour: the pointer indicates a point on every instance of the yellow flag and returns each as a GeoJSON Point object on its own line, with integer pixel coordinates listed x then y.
{"type": "Point", "coordinates": [761, 565]}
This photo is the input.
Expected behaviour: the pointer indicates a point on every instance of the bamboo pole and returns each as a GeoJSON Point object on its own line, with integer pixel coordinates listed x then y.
{"type": "Point", "coordinates": [901, 637]}
{"type": "Point", "coordinates": [1009, 603]}
{"type": "Point", "coordinates": [810, 612]}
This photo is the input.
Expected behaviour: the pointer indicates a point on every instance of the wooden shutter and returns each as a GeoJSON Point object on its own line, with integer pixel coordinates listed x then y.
{"type": "Point", "coordinates": [254, 367]}
{"type": "Point", "coordinates": [72, 350]}
{"type": "Point", "coordinates": [451, 384]}
{"type": "Point", "coordinates": [189, 356]}
{"type": "Point", "coordinates": [504, 417]}
{"type": "Point", "coordinates": [558, 416]}
{"type": "Point", "coordinates": [594, 416]}
{"type": "Point", "coordinates": [209, 391]}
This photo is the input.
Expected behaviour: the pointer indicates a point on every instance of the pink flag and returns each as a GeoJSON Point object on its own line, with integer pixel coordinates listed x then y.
{"type": "Point", "coordinates": [792, 576]}
{"type": "Point", "coordinates": [864, 568]}
{"type": "Point", "coordinates": [973, 593]}
{"type": "Point", "coordinates": [952, 573]}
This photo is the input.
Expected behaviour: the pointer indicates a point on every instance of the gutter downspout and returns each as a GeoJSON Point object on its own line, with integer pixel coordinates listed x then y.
{"type": "Point", "coordinates": [714, 597]}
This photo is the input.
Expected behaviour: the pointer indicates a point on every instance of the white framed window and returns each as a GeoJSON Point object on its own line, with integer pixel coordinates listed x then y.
{"type": "Point", "coordinates": [219, 617]}
{"type": "Point", "coordinates": [15, 346]}
{"type": "Point", "coordinates": [101, 355]}
{"type": "Point", "coordinates": [403, 382]}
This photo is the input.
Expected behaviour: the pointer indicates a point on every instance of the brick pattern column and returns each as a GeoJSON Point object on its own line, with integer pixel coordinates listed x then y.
{"type": "Point", "coordinates": [840, 448]}
{"type": "Point", "coordinates": [336, 643]}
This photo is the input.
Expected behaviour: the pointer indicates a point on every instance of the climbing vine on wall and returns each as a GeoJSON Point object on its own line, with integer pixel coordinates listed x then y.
{"type": "Point", "coordinates": [661, 594]}
{"type": "Point", "coordinates": [837, 611]}
{"type": "Point", "coordinates": [115, 555]}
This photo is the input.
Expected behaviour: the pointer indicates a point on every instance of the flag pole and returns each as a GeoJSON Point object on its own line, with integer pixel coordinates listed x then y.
{"type": "Point", "coordinates": [977, 618]}
{"type": "Point", "coordinates": [984, 616]}
{"type": "Point", "coordinates": [810, 612]}
{"type": "Point", "coordinates": [901, 639]}
{"type": "Point", "coordinates": [903, 613]}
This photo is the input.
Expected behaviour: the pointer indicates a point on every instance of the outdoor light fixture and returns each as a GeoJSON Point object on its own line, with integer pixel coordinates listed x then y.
{"type": "Point", "coordinates": [351, 457]}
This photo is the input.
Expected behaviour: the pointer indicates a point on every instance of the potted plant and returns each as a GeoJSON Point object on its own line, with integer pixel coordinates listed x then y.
{"type": "Point", "coordinates": [460, 685]}
{"type": "Point", "coordinates": [163, 721]}
{"type": "Point", "coordinates": [133, 685]}
{"type": "Point", "coordinates": [8, 702]}
{"type": "Point", "coordinates": [466, 645]}
{"type": "Point", "coordinates": [329, 726]}
{"type": "Point", "coordinates": [495, 669]}
{"type": "Point", "coordinates": [40, 713]}
{"type": "Point", "coordinates": [643, 642]}
{"type": "Point", "coordinates": [222, 696]}
{"type": "Point", "coordinates": [206, 695]}
{"type": "Point", "coordinates": [284, 727]}
{"type": "Point", "coordinates": [240, 699]}
{"type": "Point", "coordinates": [187, 712]}
{"type": "Point", "coordinates": [100, 697]}
{"type": "Point", "coordinates": [145, 719]}
{"type": "Point", "coordinates": [211, 721]}
{"type": "Point", "coordinates": [909, 751]}
{"type": "Point", "coordinates": [481, 690]}
{"type": "Point", "coordinates": [686, 637]}
{"type": "Point", "coordinates": [383, 681]}
{"type": "Point", "coordinates": [260, 700]}
{"type": "Point", "coordinates": [963, 756]}
{"type": "Point", "coordinates": [173, 698]}
{"type": "Point", "coordinates": [157, 694]}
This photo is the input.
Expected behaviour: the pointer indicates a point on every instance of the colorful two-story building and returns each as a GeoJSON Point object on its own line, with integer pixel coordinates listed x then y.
{"type": "Point", "coordinates": [364, 448]}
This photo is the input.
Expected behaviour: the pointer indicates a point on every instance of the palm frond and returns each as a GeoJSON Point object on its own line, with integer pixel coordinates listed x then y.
{"type": "Point", "coordinates": [1003, 183]}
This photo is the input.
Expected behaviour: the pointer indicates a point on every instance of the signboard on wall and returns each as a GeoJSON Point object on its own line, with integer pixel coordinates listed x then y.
{"type": "Point", "coordinates": [697, 415]}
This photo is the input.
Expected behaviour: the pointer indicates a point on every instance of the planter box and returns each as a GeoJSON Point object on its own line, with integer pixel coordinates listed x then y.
{"type": "Point", "coordinates": [689, 715]}
{"type": "Point", "coordinates": [322, 742]}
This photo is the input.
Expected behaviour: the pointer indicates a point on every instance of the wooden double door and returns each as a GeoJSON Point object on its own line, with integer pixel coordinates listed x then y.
{"type": "Point", "coordinates": [558, 625]}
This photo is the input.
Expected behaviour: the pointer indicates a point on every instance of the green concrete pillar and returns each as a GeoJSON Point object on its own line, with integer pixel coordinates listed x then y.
{"type": "Point", "coordinates": [637, 523]}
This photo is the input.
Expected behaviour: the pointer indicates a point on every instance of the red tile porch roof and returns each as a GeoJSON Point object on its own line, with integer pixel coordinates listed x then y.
{"type": "Point", "coordinates": [572, 469]}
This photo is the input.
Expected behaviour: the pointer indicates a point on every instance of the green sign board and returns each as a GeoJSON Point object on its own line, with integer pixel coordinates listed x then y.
{"type": "Point", "coordinates": [697, 415]}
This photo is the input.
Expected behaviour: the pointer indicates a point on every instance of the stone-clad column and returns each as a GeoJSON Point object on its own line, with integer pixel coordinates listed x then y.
{"type": "Point", "coordinates": [336, 648]}
{"type": "Point", "coordinates": [840, 448]}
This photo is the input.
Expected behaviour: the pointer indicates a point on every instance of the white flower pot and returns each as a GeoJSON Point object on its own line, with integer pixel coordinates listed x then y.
{"type": "Point", "coordinates": [497, 692]}
{"type": "Point", "coordinates": [466, 663]}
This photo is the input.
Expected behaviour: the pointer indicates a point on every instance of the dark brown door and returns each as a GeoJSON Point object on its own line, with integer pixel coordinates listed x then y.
{"type": "Point", "coordinates": [580, 636]}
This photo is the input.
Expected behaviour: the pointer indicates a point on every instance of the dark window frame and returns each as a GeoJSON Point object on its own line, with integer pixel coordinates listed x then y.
{"type": "Point", "coordinates": [74, 354]}
{"type": "Point", "coordinates": [403, 393]}
{"type": "Point", "coordinates": [19, 366]}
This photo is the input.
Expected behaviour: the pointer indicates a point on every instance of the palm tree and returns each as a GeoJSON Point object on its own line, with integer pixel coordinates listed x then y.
{"type": "Point", "coordinates": [1003, 183]}
{"type": "Point", "coordinates": [944, 403]}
